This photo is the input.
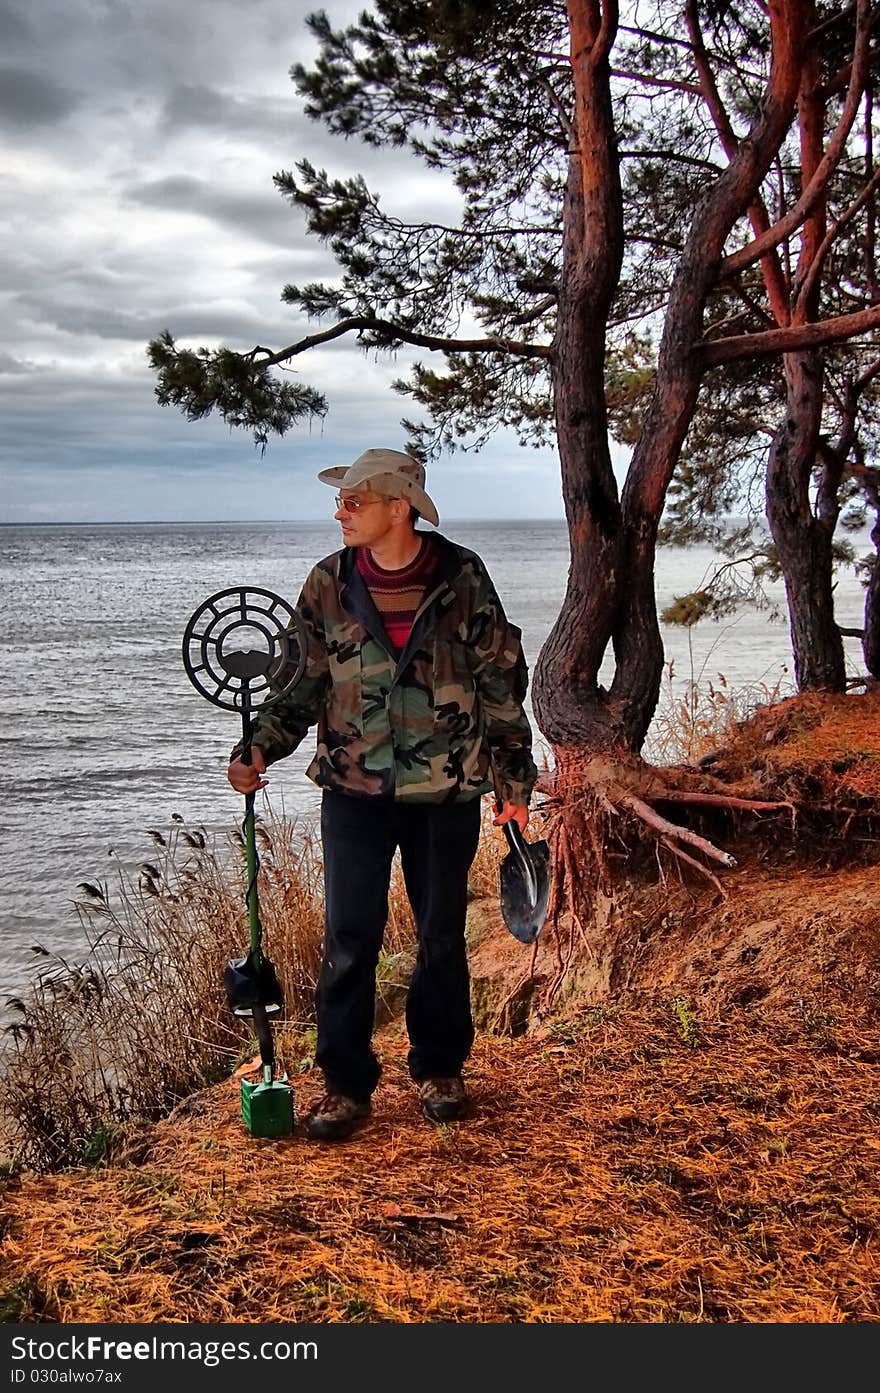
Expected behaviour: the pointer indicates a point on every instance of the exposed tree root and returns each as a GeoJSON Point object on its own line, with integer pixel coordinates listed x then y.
{"type": "Point", "coordinates": [724, 800]}
{"type": "Point", "coordinates": [576, 932]}
{"type": "Point", "coordinates": [614, 821]}
{"type": "Point", "coordinates": [599, 810]}
{"type": "Point", "coordinates": [674, 831]}
{"type": "Point", "coordinates": [503, 1020]}
{"type": "Point", "coordinates": [692, 861]}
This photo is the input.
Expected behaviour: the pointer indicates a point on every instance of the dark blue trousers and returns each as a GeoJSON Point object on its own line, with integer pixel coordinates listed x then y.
{"type": "Point", "coordinates": [438, 842]}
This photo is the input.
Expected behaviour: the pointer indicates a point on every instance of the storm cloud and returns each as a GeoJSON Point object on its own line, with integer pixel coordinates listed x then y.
{"type": "Point", "coordinates": [29, 99]}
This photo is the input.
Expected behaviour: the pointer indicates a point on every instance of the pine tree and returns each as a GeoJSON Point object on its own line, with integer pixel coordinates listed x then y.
{"type": "Point", "coordinates": [548, 295]}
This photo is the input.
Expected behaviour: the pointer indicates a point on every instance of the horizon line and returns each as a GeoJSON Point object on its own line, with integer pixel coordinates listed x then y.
{"type": "Point", "coordinates": [209, 522]}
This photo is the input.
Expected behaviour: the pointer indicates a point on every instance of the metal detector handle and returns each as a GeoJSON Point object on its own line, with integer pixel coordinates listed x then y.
{"type": "Point", "coordinates": [247, 734]}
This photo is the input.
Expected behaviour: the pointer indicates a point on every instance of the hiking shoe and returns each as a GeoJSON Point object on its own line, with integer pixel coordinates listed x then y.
{"type": "Point", "coordinates": [443, 1100]}
{"type": "Point", "coordinates": [335, 1116]}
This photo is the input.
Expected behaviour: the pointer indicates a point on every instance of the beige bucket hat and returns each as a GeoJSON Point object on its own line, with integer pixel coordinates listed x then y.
{"type": "Point", "coordinates": [390, 472]}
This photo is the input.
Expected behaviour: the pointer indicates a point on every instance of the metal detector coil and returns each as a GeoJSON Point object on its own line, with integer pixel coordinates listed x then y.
{"type": "Point", "coordinates": [243, 649]}
{"type": "Point", "coordinates": [244, 679]}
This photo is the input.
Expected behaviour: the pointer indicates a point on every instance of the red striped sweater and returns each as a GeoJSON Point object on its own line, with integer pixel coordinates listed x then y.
{"type": "Point", "coordinates": [398, 594]}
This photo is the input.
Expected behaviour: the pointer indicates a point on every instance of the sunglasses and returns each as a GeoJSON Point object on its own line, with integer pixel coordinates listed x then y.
{"type": "Point", "coordinates": [354, 505]}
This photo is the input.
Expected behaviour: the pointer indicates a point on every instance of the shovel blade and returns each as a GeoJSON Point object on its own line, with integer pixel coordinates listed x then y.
{"type": "Point", "coordinates": [525, 887]}
{"type": "Point", "coordinates": [268, 1108]}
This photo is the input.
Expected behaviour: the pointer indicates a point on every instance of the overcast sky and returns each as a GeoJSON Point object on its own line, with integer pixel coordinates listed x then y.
{"type": "Point", "coordinates": [136, 194]}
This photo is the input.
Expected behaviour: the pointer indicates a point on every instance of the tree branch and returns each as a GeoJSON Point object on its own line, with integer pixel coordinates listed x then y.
{"type": "Point", "coordinates": [844, 326]}
{"type": "Point", "coordinates": [865, 378]}
{"type": "Point", "coordinates": [757, 212]}
{"type": "Point", "coordinates": [667, 83]}
{"type": "Point", "coordinates": [564, 118]}
{"type": "Point", "coordinates": [757, 248]}
{"type": "Point", "coordinates": [397, 333]}
{"type": "Point", "coordinates": [536, 311]}
{"type": "Point", "coordinates": [607, 33]}
{"type": "Point", "coordinates": [694, 160]}
{"type": "Point", "coordinates": [803, 294]}
{"type": "Point", "coordinates": [708, 88]}
{"type": "Point", "coordinates": [654, 35]}
{"type": "Point", "coordinates": [826, 24]}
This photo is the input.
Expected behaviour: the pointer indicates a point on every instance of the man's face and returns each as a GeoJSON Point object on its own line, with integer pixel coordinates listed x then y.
{"type": "Point", "coordinates": [371, 521]}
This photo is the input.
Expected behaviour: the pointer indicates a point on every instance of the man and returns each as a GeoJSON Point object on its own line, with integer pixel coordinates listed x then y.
{"type": "Point", "coordinates": [415, 680]}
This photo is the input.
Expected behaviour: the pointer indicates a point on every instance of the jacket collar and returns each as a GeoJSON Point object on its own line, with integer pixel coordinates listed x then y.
{"type": "Point", "coordinates": [448, 559]}
{"type": "Point", "coordinates": [357, 601]}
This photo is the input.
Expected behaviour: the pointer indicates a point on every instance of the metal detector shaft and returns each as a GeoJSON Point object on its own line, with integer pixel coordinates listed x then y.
{"type": "Point", "coordinates": [260, 1018]}
{"type": "Point", "coordinates": [250, 847]}
{"type": "Point", "coordinates": [264, 1040]}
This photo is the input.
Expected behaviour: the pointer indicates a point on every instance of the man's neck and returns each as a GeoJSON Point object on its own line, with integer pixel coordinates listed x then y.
{"type": "Point", "coordinates": [393, 552]}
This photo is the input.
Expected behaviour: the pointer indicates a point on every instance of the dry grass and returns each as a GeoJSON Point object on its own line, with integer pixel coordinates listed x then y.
{"type": "Point", "coordinates": [829, 739]}
{"type": "Point", "coordinates": [140, 1021]}
{"type": "Point", "coordinates": [819, 752]}
{"type": "Point", "coordinates": [700, 715]}
{"type": "Point", "coordinates": [637, 1164]}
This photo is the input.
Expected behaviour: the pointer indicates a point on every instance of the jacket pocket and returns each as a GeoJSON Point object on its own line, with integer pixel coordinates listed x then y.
{"type": "Point", "coordinates": [456, 706]}
{"type": "Point", "coordinates": [345, 713]}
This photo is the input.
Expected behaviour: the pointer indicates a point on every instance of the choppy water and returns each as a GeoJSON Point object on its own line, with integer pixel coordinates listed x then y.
{"type": "Point", "coordinates": [103, 736]}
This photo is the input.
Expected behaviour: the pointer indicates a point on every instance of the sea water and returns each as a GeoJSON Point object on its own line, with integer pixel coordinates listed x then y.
{"type": "Point", "coordinates": [104, 737]}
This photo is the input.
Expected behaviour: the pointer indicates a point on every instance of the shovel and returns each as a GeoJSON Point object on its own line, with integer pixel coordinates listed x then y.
{"type": "Point", "coordinates": [524, 883]}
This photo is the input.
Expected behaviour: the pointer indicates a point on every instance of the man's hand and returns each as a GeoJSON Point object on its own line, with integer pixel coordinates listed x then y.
{"type": "Point", "coordinates": [518, 811]}
{"type": "Point", "coordinates": [247, 778]}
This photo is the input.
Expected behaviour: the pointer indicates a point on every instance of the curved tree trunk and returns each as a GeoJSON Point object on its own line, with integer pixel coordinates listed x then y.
{"type": "Point", "coordinates": [570, 706]}
{"type": "Point", "coordinates": [610, 595]}
{"type": "Point", "coordinates": [803, 537]}
{"type": "Point", "coordinates": [638, 643]}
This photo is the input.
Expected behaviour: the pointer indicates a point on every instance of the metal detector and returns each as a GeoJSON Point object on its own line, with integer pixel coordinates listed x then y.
{"type": "Point", "coordinates": [243, 649]}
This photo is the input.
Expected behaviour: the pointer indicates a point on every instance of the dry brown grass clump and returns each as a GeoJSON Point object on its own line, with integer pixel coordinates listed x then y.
{"type": "Point", "coordinates": [819, 752]}
{"type": "Point", "coordinates": [697, 716]}
{"type": "Point", "coordinates": [641, 1163]}
{"type": "Point", "coordinates": [831, 736]}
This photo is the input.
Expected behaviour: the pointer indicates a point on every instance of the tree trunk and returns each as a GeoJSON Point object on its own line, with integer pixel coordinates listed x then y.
{"type": "Point", "coordinates": [803, 537]}
{"type": "Point", "coordinates": [804, 540]}
{"type": "Point", "coordinates": [570, 706]}
{"type": "Point", "coordinates": [871, 641]}
{"type": "Point", "coordinates": [610, 595]}
{"type": "Point", "coordinates": [638, 643]}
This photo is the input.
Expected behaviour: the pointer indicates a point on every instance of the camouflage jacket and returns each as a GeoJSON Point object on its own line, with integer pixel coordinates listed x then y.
{"type": "Point", "coordinates": [444, 721]}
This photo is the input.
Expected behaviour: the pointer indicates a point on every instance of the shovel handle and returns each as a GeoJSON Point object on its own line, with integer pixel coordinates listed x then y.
{"type": "Point", "coordinates": [513, 834]}
{"type": "Point", "coordinates": [512, 831]}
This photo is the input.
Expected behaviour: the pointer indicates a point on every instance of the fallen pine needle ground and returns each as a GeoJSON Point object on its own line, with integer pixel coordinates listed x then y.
{"type": "Point", "coordinates": [633, 1164]}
